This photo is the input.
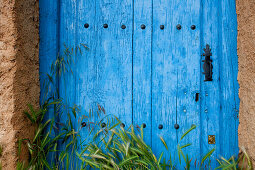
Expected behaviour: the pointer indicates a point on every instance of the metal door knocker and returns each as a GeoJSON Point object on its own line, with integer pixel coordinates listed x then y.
{"type": "Point", "coordinates": [207, 66]}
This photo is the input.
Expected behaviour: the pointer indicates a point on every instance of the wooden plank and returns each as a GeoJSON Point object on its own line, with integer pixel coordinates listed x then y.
{"type": "Point", "coordinates": [222, 100]}
{"type": "Point", "coordinates": [86, 66]}
{"type": "Point", "coordinates": [228, 76]}
{"type": "Point", "coordinates": [188, 68]}
{"type": "Point", "coordinates": [162, 72]}
{"type": "Point", "coordinates": [48, 43]}
{"type": "Point", "coordinates": [176, 75]}
{"type": "Point", "coordinates": [67, 42]}
{"type": "Point", "coordinates": [67, 79]}
{"type": "Point", "coordinates": [142, 66]}
{"type": "Point", "coordinates": [113, 59]}
{"type": "Point", "coordinates": [166, 64]}
{"type": "Point", "coordinates": [105, 70]}
{"type": "Point", "coordinates": [48, 53]}
{"type": "Point", "coordinates": [164, 77]}
{"type": "Point", "coordinates": [210, 91]}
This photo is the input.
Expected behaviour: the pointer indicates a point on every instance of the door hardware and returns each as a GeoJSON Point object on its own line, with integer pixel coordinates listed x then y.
{"type": "Point", "coordinates": [105, 25]}
{"type": "Point", "coordinates": [193, 27]}
{"type": "Point", "coordinates": [83, 124]}
{"type": "Point", "coordinates": [144, 125]}
{"type": "Point", "coordinates": [197, 97]}
{"type": "Point", "coordinates": [143, 26]}
{"type": "Point", "coordinates": [103, 125]}
{"type": "Point", "coordinates": [184, 109]}
{"type": "Point", "coordinates": [211, 139]}
{"type": "Point", "coordinates": [123, 27]}
{"type": "Point", "coordinates": [160, 126]}
{"type": "Point", "coordinates": [122, 125]}
{"type": "Point", "coordinates": [162, 27]}
{"type": "Point", "coordinates": [176, 126]}
{"type": "Point", "coordinates": [207, 66]}
{"type": "Point", "coordinates": [86, 25]}
{"type": "Point", "coordinates": [178, 26]}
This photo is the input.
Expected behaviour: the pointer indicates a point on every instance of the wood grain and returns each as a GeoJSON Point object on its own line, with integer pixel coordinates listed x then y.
{"type": "Point", "coordinates": [142, 66]}
{"type": "Point", "coordinates": [151, 75]}
{"type": "Point", "coordinates": [48, 52]}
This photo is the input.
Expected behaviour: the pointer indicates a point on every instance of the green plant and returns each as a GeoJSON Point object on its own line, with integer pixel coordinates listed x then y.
{"type": "Point", "coordinates": [244, 158]}
{"type": "Point", "coordinates": [50, 134]}
{"type": "Point", "coordinates": [243, 162]}
{"type": "Point", "coordinates": [118, 148]}
{"type": "Point", "coordinates": [1, 150]}
{"type": "Point", "coordinates": [22, 166]}
{"type": "Point", "coordinates": [42, 143]}
{"type": "Point", "coordinates": [110, 148]}
{"type": "Point", "coordinates": [58, 145]}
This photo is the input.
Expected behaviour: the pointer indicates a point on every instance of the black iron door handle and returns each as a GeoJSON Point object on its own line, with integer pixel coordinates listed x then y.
{"type": "Point", "coordinates": [207, 66]}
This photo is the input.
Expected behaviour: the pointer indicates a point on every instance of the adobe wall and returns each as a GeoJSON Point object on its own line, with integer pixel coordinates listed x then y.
{"type": "Point", "coordinates": [19, 73]}
{"type": "Point", "coordinates": [246, 74]}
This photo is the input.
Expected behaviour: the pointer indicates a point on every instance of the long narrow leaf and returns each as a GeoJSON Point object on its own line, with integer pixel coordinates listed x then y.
{"type": "Point", "coordinates": [188, 131]}
{"type": "Point", "coordinates": [208, 155]}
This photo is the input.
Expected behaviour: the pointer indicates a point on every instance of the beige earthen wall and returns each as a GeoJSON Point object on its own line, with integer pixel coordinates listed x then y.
{"type": "Point", "coordinates": [246, 74]}
{"type": "Point", "coordinates": [19, 73]}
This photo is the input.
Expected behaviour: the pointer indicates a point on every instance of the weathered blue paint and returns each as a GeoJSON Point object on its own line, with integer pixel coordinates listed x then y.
{"type": "Point", "coordinates": [228, 75]}
{"type": "Point", "coordinates": [150, 75]}
{"type": "Point", "coordinates": [67, 79]}
{"type": "Point", "coordinates": [210, 91]}
{"type": "Point", "coordinates": [142, 66]}
{"type": "Point", "coordinates": [188, 53]}
{"type": "Point", "coordinates": [113, 78]}
{"type": "Point", "coordinates": [85, 84]}
{"type": "Point", "coordinates": [48, 53]}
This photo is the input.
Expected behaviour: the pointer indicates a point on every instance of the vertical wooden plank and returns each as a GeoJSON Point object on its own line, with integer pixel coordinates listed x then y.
{"type": "Point", "coordinates": [84, 68]}
{"type": "Point", "coordinates": [165, 70]}
{"type": "Point", "coordinates": [210, 90]}
{"type": "Point", "coordinates": [48, 51]}
{"type": "Point", "coordinates": [112, 83]}
{"type": "Point", "coordinates": [164, 76]}
{"type": "Point", "coordinates": [86, 64]}
{"type": "Point", "coordinates": [188, 109]}
{"type": "Point", "coordinates": [176, 74]}
{"type": "Point", "coordinates": [228, 77]}
{"type": "Point", "coordinates": [105, 70]}
{"type": "Point", "coordinates": [67, 41]}
{"type": "Point", "coordinates": [142, 66]}
{"type": "Point", "coordinates": [48, 42]}
{"type": "Point", "coordinates": [67, 81]}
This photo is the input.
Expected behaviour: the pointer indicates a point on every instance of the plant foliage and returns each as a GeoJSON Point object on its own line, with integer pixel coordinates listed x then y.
{"type": "Point", "coordinates": [58, 144]}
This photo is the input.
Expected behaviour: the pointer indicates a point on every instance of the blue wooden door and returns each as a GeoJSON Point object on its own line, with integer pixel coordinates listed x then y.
{"type": "Point", "coordinates": [144, 65]}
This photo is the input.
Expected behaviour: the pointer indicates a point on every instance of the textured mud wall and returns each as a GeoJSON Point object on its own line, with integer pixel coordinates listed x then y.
{"type": "Point", "coordinates": [246, 75]}
{"type": "Point", "coordinates": [19, 73]}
